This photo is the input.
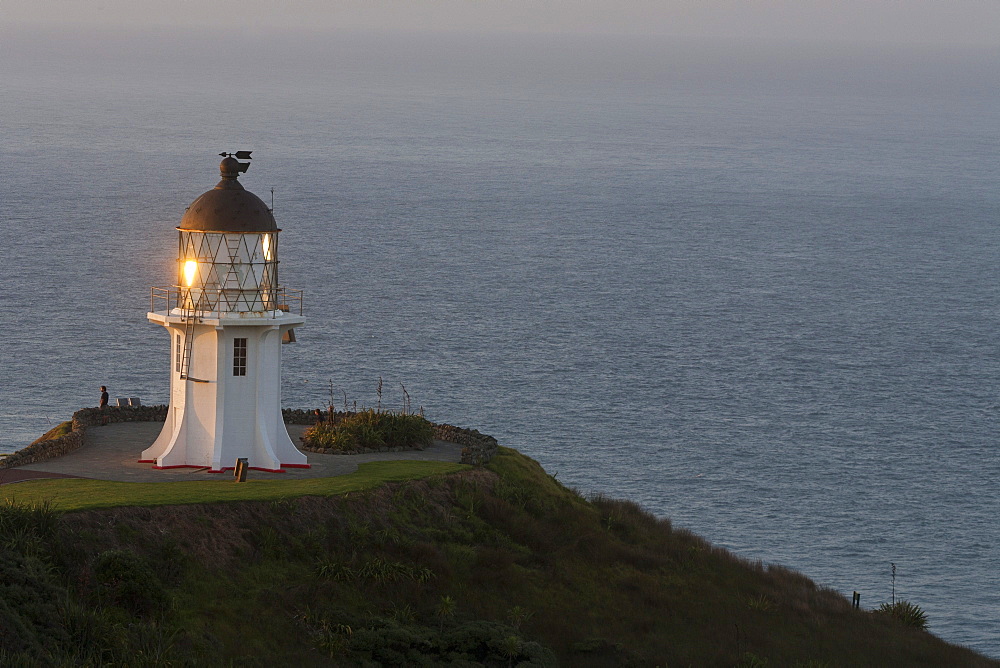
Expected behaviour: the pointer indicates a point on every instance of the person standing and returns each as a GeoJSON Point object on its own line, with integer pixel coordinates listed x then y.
{"type": "Point", "coordinates": [104, 405]}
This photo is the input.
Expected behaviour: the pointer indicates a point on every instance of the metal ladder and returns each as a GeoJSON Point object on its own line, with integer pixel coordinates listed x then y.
{"type": "Point", "coordinates": [190, 315]}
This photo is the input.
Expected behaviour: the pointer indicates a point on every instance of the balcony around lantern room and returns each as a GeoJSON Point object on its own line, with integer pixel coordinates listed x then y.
{"type": "Point", "coordinates": [177, 304]}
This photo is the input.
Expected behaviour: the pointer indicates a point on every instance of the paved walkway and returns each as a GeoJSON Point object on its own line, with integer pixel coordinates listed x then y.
{"type": "Point", "coordinates": [111, 453]}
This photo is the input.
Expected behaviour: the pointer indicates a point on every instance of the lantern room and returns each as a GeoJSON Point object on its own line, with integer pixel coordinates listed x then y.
{"type": "Point", "coordinates": [227, 256]}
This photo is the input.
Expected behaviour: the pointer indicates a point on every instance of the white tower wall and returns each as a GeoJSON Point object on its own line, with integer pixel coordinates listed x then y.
{"type": "Point", "coordinates": [216, 416]}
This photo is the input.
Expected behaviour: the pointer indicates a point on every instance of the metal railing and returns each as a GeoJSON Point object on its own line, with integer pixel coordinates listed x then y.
{"type": "Point", "coordinates": [225, 300]}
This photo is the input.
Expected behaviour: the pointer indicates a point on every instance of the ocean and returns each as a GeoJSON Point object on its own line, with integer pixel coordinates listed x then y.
{"type": "Point", "coordinates": [753, 289]}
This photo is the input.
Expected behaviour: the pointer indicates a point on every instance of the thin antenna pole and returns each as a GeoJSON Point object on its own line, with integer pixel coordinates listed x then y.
{"type": "Point", "coordinates": [272, 200]}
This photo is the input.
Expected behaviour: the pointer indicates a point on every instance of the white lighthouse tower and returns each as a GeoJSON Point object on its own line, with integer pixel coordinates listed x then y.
{"type": "Point", "coordinates": [227, 318]}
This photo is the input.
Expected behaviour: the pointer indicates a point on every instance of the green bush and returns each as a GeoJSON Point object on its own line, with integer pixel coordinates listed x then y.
{"type": "Point", "coordinates": [126, 580]}
{"type": "Point", "coordinates": [909, 614]}
{"type": "Point", "coordinates": [18, 520]}
{"type": "Point", "coordinates": [370, 430]}
{"type": "Point", "coordinates": [388, 643]}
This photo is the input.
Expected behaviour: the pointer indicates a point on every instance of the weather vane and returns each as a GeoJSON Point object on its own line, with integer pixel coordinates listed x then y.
{"type": "Point", "coordinates": [239, 155]}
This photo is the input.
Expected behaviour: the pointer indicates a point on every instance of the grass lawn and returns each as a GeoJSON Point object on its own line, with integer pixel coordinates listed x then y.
{"type": "Point", "coordinates": [68, 494]}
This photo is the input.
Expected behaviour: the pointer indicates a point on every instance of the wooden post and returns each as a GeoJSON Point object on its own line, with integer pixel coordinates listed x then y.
{"type": "Point", "coordinates": [857, 601]}
{"type": "Point", "coordinates": [240, 472]}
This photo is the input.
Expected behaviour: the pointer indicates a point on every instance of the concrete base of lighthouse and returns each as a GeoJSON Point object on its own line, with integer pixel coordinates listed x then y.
{"type": "Point", "coordinates": [229, 405]}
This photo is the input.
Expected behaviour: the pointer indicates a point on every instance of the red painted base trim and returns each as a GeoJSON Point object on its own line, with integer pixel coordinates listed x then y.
{"type": "Point", "coordinates": [179, 466]}
{"type": "Point", "coordinates": [223, 470]}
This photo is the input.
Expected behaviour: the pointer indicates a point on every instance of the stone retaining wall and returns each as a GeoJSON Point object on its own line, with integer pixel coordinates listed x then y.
{"type": "Point", "coordinates": [86, 417]}
{"type": "Point", "coordinates": [83, 418]}
{"type": "Point", "coordinates": [299, 416]}
{"type": "Point", "coordinates": [477, 448]}
{"type": "Point", "coordinates": [41, 450]}
{"type": "Point", "coordinates": [359, 451]}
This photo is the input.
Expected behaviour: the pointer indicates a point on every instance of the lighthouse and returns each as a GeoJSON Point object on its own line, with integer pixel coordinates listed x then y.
{"type": "Point", "coordinates": [227, 318]}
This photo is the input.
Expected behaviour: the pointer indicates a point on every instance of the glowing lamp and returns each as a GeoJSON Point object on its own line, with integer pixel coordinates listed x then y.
{"type": "Point", "coordinates": [265, 243]}
{"type": "Point", "coordinates": [190, 271]}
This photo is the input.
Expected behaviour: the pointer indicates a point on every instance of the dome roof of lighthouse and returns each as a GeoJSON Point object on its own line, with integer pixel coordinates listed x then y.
{"type": "Point", "coordinates": [228, 207]}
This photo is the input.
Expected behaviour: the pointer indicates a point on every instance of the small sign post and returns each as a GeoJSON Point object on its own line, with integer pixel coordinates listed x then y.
{"type": "Point", "coordinates": [240, 472]}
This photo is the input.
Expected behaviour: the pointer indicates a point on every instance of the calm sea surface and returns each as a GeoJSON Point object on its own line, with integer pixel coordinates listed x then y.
{"type": "Point", "coordinates": [755, 291]}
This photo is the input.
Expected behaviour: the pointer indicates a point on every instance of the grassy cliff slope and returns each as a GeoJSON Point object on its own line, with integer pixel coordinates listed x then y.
{"type": "Point", "coordinates": [499, 566]}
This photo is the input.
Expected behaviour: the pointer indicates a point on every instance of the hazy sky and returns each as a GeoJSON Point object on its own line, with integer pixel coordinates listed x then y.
{"type": "Point", "coordinates": [930, 22]}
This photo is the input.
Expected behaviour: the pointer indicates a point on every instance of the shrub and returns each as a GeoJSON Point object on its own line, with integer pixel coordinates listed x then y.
{"type": "Point", "coordinates": [18, 520]}
{"type": "Point", "coordinates": [909, 614]}
{"type": "Point", "coordinates": [29, 604]}
{"type": "Point", "coordinates": [127, 581]}
{"type": "Point", "coordinates": [370, 430]}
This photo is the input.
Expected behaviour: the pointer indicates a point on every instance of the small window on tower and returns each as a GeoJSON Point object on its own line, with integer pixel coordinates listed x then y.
{"type": "Point", "coordinates": [239, 357]}
{"type": "Point", "coordinates": [177, 354]}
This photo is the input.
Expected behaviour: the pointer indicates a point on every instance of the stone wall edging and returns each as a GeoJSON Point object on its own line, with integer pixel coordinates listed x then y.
{"type": "Point", "coordinates": [83, 418]}
{"type": "Point", "coordinates": [478, 448]}
{"type": "Point", "coordinates": [359, 451]}
{"type": "Point", "coordinates": [42, 450]}
{"type": "Point", "coordinates": [88, 417]}
{"type": "Point", "coordinates": [299, 416]}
